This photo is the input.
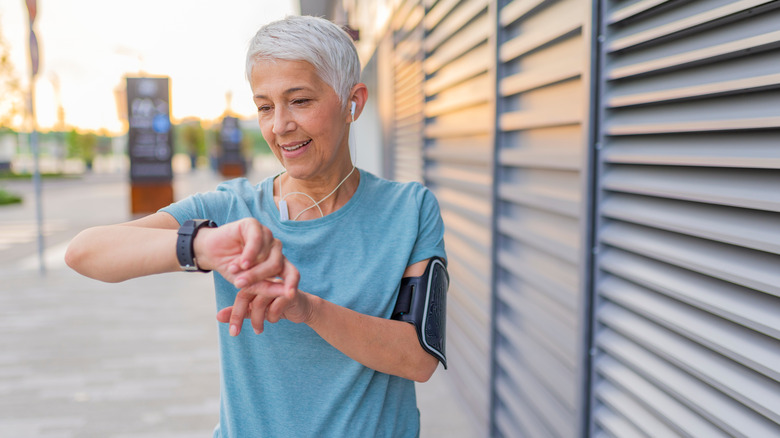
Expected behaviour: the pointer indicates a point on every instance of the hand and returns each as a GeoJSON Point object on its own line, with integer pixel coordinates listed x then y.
{"type": "Point", "coordinates": [270, 301]}
{"type": "Point", "coordinates": [244, 252]}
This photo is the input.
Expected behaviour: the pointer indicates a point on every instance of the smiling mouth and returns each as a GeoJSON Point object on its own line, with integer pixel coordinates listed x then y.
{"type": "Point", "coordinates": [296, 147]}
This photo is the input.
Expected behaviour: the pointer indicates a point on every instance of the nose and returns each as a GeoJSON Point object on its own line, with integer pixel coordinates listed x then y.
{"type": "Point", "coordinates": [283, 121]}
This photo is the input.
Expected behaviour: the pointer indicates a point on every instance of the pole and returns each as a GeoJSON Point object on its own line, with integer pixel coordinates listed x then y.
{"type": "Point", "coordinates": [36, 176]}
{"type": "Point", "coordinates": [32, 10]}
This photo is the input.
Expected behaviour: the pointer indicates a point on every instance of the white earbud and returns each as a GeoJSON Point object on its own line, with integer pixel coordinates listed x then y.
{"type": "Point", "coordinates": [352, 111]}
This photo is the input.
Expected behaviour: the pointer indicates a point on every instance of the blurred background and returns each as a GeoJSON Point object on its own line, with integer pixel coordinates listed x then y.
{"type": "Point", "coordinates": [607, 171]}
{"type": "Point", "coordinates": [108, 111]}
{"type": "Point", "coordinates": [87, 48]}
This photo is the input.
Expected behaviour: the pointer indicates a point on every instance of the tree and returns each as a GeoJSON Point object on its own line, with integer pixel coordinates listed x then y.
{"type": "Point", "coordinates": [12, 102]}
{"type": "Point", "coordinates": [193, 138]}
{"type": "Point", "coordinates": [82, 146]}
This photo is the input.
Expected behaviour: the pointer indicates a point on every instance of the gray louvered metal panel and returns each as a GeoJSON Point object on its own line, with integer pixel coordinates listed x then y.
{"type": "Point", "coordinates": [687, 331]}
{"type": "Point", "coordinates": [538, 386]}
{"type": "Point", "coordinates": [458, 158]}
{"type": "Point", "coordinates": [740, 305]}
{"type": "Point", "coordinates": [409, 121]}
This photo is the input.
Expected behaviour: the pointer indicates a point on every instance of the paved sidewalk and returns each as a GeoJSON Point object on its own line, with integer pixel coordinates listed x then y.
{"type": "Point", "coordinates": [81, 358]}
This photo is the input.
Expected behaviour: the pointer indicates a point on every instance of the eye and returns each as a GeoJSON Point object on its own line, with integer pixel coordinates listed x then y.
{"type": "Point", "coordinates": [264, 108]}
{"type": "Point", "coordinates": [301, 101]}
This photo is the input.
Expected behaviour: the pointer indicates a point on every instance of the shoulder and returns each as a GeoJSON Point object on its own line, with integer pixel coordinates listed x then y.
{"type": "Point", "coordinates": [230, 200]}
{"type": "Point", "coordinates": [227, 193]}
{"type": "Point", "coordinates": [240, 187]}
{"type": "Point", "coordinates": [396, 191]}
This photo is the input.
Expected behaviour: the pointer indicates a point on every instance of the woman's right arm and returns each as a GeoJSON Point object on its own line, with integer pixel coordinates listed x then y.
{"type": "Point", "coordinates": [241, 251]}
{"type": "Point", "coordinates": [115, 253]}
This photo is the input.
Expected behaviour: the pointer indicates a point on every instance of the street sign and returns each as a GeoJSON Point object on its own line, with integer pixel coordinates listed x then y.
{"type": "Point", "coordinates": [150, 144]}
{"type": "Point", "coordinates": [32, 10]}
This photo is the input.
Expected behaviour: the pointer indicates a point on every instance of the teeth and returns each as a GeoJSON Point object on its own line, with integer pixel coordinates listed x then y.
{"type": "Point", "coordinates": [295, 148]}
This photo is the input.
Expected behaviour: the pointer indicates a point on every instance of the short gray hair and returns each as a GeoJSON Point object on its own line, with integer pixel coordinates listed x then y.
{"type": "Point", "coordinates": [321, 43]}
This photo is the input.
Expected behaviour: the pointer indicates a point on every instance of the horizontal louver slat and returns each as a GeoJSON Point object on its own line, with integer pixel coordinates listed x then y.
{"type": "Point", "coordinates": [757, 150]}
{"type": "Point", "coordinates": [753, 189]}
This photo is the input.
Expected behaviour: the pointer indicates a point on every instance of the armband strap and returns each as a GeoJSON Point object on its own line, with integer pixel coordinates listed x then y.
{"type": "Point", "coordinates": [422, 301]}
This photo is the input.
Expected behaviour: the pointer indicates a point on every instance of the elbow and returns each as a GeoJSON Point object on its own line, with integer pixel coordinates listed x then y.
{"type": "Point", "coordinates": [79, 258]}
{"type": "Point", "coordinates": [424, 370]}
{"type": "Point", "coordinates": [418, 364]}
{"type": "Point", "coordinates": [74, 256]}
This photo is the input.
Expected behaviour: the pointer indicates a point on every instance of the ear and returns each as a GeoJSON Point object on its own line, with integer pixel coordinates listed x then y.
{"type": "Point", "coordinates": [357, 100]}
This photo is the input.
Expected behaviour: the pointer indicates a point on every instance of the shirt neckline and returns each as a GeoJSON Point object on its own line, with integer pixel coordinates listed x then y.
{"type": "Point", "coordinates": [270, 206]}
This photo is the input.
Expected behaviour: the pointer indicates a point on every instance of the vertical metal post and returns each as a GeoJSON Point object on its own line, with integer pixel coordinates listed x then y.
{"type": "Point", "coordinates": [32, 11]}
{"type": "Point", "coordinates": [496, 72]}
{"type": "Point", "coordinates": [36, 177]}
{"type": "Point", "coordinates": [592, 173]}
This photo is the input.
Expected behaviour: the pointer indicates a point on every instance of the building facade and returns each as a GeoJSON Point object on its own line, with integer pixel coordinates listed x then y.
{"type": "Point", "coordinates": [609, 178]}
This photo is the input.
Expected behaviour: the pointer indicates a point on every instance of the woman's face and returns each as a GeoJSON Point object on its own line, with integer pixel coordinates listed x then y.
{"type": "Point", "coordinates": [301, 118]}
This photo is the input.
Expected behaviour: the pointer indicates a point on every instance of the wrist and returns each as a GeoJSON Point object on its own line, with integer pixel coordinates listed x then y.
{"type": "Point", "coordinates": [199, 251]}
{"type": "Point", "coordinates": [312, 309]}
{"type": "Point", "coordinates": [185, 244]}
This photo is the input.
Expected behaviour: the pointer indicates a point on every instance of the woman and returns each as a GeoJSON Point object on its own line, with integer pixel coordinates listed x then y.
{"type": "Point", "coordinates": [311, 258]}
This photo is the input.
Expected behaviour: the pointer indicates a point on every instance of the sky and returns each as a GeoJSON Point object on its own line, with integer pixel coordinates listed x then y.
{"type": "Point", "coordinates": [88, 46]}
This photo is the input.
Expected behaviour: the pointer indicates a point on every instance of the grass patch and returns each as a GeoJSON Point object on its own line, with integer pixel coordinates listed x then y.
{"type": "Point", "coordinates": [9, 198]}
{"type": "Point", "coordinates": [16, 176]}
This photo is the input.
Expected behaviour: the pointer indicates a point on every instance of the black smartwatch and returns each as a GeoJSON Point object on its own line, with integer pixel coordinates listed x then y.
{"type": "Point", "coordinates": [184, 251]}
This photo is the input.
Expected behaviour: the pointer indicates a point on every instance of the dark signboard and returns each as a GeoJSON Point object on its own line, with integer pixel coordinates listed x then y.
{"type": "Point", "coordinates": [150, 145]}
{"type": "Point", "coordinates": [231, 161]}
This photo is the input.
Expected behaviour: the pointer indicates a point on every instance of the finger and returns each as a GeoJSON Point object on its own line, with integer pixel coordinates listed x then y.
{"type": "Point", "coordinates": [273, 266]}
{"type": "Point", "coordinates": [291, 277]}
{"type": "Point", "coordinates": [257, 240]}
{"type": "Point", "coordinates": [285, 292]}
{"type": "Point", "coordinates": [240, 306]}
{"type": "Point", "coordinates": [258, 307]}
{"type": "Point", "coordinates": [277, 308]}
{"type": "Point", "coordinates": [251, 238]}
{"type": "Point", "coordinates": [223, 315]}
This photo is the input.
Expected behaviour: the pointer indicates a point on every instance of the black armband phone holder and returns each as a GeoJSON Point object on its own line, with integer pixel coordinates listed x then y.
{"type": "Point", "coordinates": [422, 301]}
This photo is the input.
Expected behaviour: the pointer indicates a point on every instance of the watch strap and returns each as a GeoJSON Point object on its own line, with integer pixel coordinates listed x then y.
{"type": "Point", "coordinates": [185, 252]}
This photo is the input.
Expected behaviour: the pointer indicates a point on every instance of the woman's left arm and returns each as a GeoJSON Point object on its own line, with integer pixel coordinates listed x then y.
{"type": "Point", "coordinates": [385, 345]}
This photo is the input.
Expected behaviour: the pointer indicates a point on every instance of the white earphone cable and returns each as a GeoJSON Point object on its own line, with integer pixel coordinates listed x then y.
{"type": "Point", "coordinates": [317, 204]}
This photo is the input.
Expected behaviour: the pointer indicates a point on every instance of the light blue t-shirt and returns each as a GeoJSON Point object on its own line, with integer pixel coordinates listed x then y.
{"type": "Point", "coordinates": [287, 381]}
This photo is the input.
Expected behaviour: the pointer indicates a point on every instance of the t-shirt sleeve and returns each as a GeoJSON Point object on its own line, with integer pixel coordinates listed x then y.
{"type": "Point", "coordinates": [208, 205]}
{"type": "Point", "coordinates": [430, 234]}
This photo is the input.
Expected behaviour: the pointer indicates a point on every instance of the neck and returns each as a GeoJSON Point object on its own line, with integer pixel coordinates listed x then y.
{"type": "Point", "coordinates": [298, 203]}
